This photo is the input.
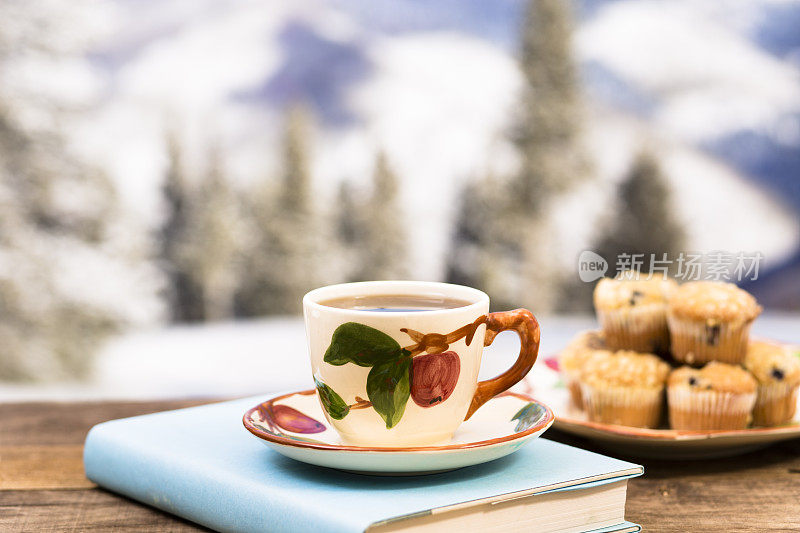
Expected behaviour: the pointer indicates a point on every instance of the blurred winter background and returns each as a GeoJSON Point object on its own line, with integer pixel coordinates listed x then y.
{"type": "Point", "coordinates": [175, 174]}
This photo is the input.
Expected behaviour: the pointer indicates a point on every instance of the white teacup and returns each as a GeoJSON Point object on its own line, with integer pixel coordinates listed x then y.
{"type": "Point", "coordinates": [407, 377]}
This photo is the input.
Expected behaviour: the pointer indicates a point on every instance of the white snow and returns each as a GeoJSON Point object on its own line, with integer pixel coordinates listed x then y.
{"type": "Point", "coordinates": [441, 103]}
{"type": "Point", "coordinates": [437, 104]}
{"type": "Point", "coordinates": [720, 209]}
{"type": "Point", "coordinates": [707, 78]}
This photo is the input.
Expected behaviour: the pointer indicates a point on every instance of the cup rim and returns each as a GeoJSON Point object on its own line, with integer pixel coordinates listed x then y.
{"type": "Point", "coordinates": [479, 299]}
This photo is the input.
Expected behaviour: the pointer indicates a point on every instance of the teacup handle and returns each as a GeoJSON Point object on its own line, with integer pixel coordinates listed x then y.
{"type": "Point", "coordinates": [524, 323]}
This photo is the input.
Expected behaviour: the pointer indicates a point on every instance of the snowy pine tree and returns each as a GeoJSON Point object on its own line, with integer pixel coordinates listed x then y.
{"type": "Point", "coordinates": [183, 293]}
{"type": "Point", "coordinates": [348, 226]}
{"type": "Point", "coordinates": [385, 246]}
{"type": "Point", "coordinates": [642, 220]}
{"type": "Point", "coordinates": [483, 253]}
{"type": "Point", "coordinates": [260, 283]}
{"type": "Point", "coordinates": [280, 263]}
{"type": "Point", "coordinates": [212, 243]}
{"type": "Point", "coordinates": [548, 135]}
{"type": "Point", "coordinates": [470, 239]}
{"type": "Point", "coordinates": [548, 141]}
{"type": "Point", "coordinates": [349, 233]}
{"type": "Point", "coordinates": [58, 253]}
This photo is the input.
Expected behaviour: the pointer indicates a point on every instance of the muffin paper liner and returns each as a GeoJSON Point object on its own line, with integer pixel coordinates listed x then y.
{"type": "Point", "coordinates": [708, 409]}
{"type": "Point", "coordinates": [626, 406]}
{"type": "Point", "coordinates": [641, 329]}
{"type": "Point", "coordinates": [696, 342]}
{"type": "Point", "coordinates": [574, 387]}
{"type": "Point", "coordinates": [775, 404]}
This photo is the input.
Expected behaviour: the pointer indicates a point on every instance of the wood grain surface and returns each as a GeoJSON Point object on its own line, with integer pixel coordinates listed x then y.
{"type": "Point", "coordinates": [42, 487]}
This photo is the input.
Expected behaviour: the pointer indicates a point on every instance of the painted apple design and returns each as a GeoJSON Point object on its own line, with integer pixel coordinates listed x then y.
{"type": "Point", "coordinates": [434, 377]}
{"type": "Point", "coordinates": [425, 371]}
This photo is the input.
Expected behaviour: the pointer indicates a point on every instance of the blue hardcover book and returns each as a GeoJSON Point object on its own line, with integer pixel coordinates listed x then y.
{"type": "Point", "coordinates": [200, 463]}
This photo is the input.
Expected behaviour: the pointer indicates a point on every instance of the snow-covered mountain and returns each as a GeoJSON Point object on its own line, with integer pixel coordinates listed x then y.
{"type": "Point", "coordinates": [722, 76]}
{"type": "Point", "coordinates": [715, 85]}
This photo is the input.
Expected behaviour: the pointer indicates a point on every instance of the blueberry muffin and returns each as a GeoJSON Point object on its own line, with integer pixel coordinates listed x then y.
{"type": "Point", "coordinates": [710, 321]}
{"type": "Point", "coordinates": [581, 348]}
{"type": "Point", "coordinates": [632, 311]}
{"type": "Point", "coordinates": [777, 371]}
{"type": "Point", "coordinates": [625, 388]}
{"type": "Point", "coordinates": [719, 396]}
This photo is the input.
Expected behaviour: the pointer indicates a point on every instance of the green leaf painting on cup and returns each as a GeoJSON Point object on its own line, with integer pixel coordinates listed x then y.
{"type": "Point", "coordinates": [334, 405]}
{"type": "Point", "coordinates": [361, 345]}
{"type": "Point", "coordinates": [388, 388]}
{"type": "Point", "coordinates": [389, 382]}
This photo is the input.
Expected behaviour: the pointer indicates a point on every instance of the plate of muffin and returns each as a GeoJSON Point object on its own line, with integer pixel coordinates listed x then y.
{"type": "Point", "coordinates": [672, 372]}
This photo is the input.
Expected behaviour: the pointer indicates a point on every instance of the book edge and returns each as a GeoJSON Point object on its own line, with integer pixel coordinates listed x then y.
{"type": "Point", "coordinates": [618, 525]}
{"type": "Point", "coordinates": [575, 484]}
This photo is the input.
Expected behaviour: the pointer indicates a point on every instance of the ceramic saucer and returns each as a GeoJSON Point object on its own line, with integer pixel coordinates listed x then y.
{"type": "Point", "coordinates": [545, 382]}
{"type": "Point", "coordinates": [295, 426]}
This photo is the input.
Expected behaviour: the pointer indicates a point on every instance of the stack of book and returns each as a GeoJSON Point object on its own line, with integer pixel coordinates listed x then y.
{"type": "Point", "coordinates": [201, 464]}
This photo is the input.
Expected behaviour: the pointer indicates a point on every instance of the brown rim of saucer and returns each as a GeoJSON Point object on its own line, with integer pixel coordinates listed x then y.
{"type": "Point", "coordinates": [674, 434]}
{"type": "Point", "coordinates": [544, 424]}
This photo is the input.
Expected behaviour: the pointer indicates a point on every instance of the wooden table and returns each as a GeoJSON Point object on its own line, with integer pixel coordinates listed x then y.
{"type": "Point", "coordinates": [42, 486]}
